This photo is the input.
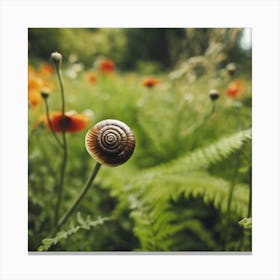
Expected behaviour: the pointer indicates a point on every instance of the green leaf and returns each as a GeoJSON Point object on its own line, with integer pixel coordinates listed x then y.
{"type": "Point", "coordinates": [72, 229]}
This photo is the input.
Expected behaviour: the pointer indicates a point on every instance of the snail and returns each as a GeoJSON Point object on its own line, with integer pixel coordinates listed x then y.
{"type": "Point", "coordinates": [110, 142]}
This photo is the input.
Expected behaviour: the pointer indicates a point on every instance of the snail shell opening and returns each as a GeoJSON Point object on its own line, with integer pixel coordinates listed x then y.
{"type": "Point", "coordinates": [110, 142]}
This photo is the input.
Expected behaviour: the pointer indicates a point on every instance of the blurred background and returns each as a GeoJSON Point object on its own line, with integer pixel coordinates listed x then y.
{"type": "Point", "coordinates": [186, 94]}
{"type": "Point", "coordinates": [132, 48]}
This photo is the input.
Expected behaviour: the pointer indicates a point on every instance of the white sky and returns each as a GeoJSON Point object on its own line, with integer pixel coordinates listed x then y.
{"type": "Point", "coordinates": [246, 40]}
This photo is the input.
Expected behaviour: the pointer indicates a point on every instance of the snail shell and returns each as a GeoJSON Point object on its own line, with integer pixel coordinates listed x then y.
{"type": "Point", "coordinates": [110, 142]}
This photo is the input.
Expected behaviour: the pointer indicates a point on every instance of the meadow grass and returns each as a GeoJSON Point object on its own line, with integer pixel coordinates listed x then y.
{"type": "Point", "coordinates": [169, 121]}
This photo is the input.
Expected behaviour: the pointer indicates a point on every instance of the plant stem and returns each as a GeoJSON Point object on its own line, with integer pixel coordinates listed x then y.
{"type": "Point", "coordinates": [231, 191]}
{"type": "Point", "coordinates": [232, 185]}
{"type": "Point", "coordinates": [64, 144]}
{"type": "Point", "coordinates": [249, 213]}
{"type": "Point", "coordinates": [206, 117]}
{"type": "Point", "coordinates": [50, 123]}
{"type": "Point", "coordinates": [79, 198]}
{"type": "Point", "coordinates": [213, 108]}
{"type": "Point", "coordinates": [62, 176]}
{"type": "Point", "coordinates": [61, 89]}
{"type": "Point", "coordinates": [202, 122]}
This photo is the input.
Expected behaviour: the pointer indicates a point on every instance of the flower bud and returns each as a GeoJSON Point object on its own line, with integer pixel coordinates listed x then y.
{"type": "Point", "coordinates": [56, 58]}
{"type": "Point", "coordinates": [213, 94]}
{"type": "Point", "coordinates": [231, 69]}
{"type": "Point", "coordinates": [45, 92]}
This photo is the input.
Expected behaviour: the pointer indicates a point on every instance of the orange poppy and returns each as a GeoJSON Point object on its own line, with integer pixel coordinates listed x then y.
{"type": "Point", "coordinates": [107, 66]}
{"type": "Point", "coordinates": [46, 70]}
{"type": "Point", "coordinates": [35, 84]}
{"type": "Point", "coordinates": [150, 82]}
{"type": "Point", "coordinates": [70, 122]}
{"type": "Point", "coordinates": [34, 98]}
{"type": "Point", "coordinates": [91, 78]}
{"type": "Point", "coordinates": [235, 89]}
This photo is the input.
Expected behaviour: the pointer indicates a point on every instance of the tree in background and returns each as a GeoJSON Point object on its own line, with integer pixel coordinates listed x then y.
{"type": "Point", "coordinates": [166, 48]}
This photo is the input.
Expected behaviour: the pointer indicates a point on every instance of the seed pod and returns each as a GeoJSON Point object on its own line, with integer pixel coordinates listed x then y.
{"type": "Point", "coordinates": [45, 92]}
{"type": "Point", "coordinates": [56, 58]}
{"type": "Point", "coordinates": [231, 69]}
{"type": "Point", "coordinates": [110, 142]}
{"type": "Point", "coordinates": [213, 94]}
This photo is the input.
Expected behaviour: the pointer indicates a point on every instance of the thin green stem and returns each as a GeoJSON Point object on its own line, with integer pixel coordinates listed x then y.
{"type": "Point", "coordinates": [213, 108]}
{"type": "Point", "coordinates": [62, 176]}
{"type": "Point", "coordinates": [249, 212]}
{"type": "Point", "coordinates": [233, 183]}
{"type": "Point", "coordinates": [50, 123]}
{"type": "Point", "coordinates": [202, 122]}
{"type": "Point", "coordinates": [64, 143]}
{"type": "Point", "coordinates": [210, 113]}
{"type": "Point", "coordinates": [79, 198]}
{"type": "Point", "coordinates": [57, 67]}
{"type": "Point", "coordinates": [229, 201]}
{"type": "Point", "coordinates": [47, 159]}
{"type": "Point", "coordinates": [232, 186]}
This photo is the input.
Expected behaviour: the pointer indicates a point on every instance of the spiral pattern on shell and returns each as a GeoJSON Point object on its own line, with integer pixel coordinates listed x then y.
{"type": "Point", "coordinates": [110, 142]}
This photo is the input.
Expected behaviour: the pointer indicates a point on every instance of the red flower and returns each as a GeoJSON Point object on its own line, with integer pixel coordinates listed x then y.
{"type": "Point", "coordinates": [46, 70]}
{"type": "Point", "coordinates": [91, 78]}
{"type": "Point", "coordinates": [150, 82]}
{"type": "Point", "coordinates": [235, 89]}
{"type": "Point", "coordinates": [69, 122]}
{"type": "Point", "coordinates": [107, 66]}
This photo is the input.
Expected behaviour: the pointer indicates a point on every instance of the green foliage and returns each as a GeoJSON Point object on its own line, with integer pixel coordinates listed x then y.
{"type": "Point", "coordinates": [86, 224]}
{"type": "Point", "coordinates": [133, 47]}
{"type": "Point", "coordinates": [204, 157]}
{"type": "Point", "coordinates": [87, 44]}
{"type": "Point", "coordinates": [173, 194]}
{"type": "Point", "coordinates": [151, 193]}
{"type": "Point", "coordinates": [246, 223]}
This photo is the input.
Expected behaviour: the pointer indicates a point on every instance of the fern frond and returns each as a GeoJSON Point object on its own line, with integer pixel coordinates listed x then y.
{"type": "Point", "coordinates": [86, 224]}
{"type": "Point", "coordinates": [150, 194]}
{"type": "Point", "coordinates": [211, 189]}
{"type": "Point", "coordinates": [160, 233]}
{"type": "Point", "coordinates": [246, 223]}
{"type": "Point", "coordinates": [202, 158]}
{"type": "Point", "coordinates": [155, 222]}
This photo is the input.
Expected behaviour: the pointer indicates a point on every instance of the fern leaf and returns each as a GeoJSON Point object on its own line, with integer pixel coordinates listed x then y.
{"type": "Point", "coordinates": [202, 158]}
{"type": "Point", "coordinates": [156, 223]}
{"type": "Point", "coordinates": [149, 194]}
{"type": "Point", "coordinates": [72, 229]}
